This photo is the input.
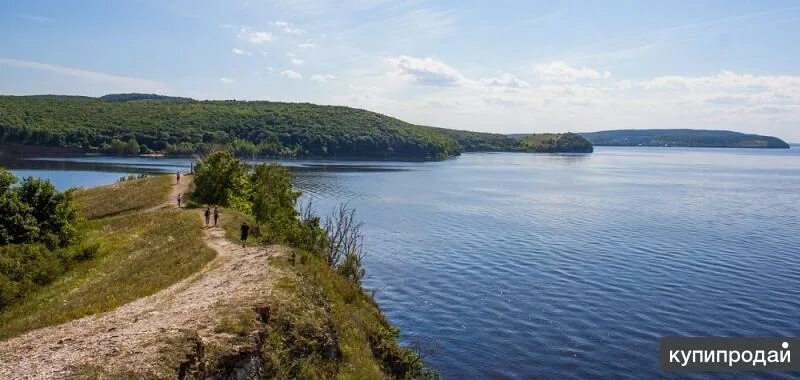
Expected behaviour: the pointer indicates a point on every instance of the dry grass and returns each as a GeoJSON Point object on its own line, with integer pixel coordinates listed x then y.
{"type": "Point", "coordinates": [231, 221]}
{"type": "Point", "coordinates": [316, 306]}
{"type": "Point", "coordinates": [121, 197]}
{"type": "Point", "coordinates": [139, 255]}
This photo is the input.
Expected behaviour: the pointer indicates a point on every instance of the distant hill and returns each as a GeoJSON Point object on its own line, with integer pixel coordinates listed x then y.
{"type": "Point", "coordinates": [683, 138]}
{"type": "Point", "coordinates": [130, 124]}
{"type": "Point", "coordinates": [525, 142]}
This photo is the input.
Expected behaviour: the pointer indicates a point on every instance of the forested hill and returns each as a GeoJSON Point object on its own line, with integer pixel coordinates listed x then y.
{"type": "Point", "coordinates": [683, 138]}
{"type": "Point", "coordinates": [135, 123]}
{"type": "Point", "coordinates": [128, 124]}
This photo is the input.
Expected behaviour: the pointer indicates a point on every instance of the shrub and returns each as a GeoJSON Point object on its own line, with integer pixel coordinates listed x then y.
{"type": "Point", "coordinates": [221, 179]}
{"type": "Point", "coordinates": [35, 212]}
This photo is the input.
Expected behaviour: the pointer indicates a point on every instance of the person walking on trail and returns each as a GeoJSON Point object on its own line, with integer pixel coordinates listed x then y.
{"type": "Point", "coordinates": [207, 213]}
{"type": "Point", "coordinates": [178, 175]}
{"type": "Point", "coordinates": [245, 232]}
{"type": "Point", "coordinates": [180, 198]}
{"type": "Point", "coordinates": [216, 215]}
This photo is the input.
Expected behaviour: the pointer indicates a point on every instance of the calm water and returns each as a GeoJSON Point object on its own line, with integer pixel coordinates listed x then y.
{"type": "Point", "coordinates": [561, 266]}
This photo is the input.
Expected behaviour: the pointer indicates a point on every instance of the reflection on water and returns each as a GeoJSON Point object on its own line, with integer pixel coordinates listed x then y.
{"type": "Point", "coordinates": [570, 266]}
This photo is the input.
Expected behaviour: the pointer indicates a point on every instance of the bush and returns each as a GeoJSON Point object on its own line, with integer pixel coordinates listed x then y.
{"type": "Point", "coordinates": [35, 212]}
{"type": "Point", "coordinates": [221, 179]}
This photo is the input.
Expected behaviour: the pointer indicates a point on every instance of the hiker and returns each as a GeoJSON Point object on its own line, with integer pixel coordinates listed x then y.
{"type": "Point", "coordinates": [245, 231]}
{"type": "Point", "coordinates": [180, 198]}
{"type": "Point", "coordinates": [178, 175]}
{"type": "Point", "coordinates": [216, 215]}
{"type": "Point", "coordinates": [207, 213]}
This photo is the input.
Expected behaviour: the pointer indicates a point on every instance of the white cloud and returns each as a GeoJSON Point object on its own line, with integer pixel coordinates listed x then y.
{"type": "Point", "coordinates": [297, 61]}
{"type": "Point", "coordinates": [728, 89]}
{"type": "Point", "coordinates": [425, 71]}
{"type": "Point", "coordinates": [255, 37]}
{"type": "Point", "coordinates": [238, 51]}
{"type": "Point", "coordinates": [116, 82]}
{"type": "Point", "coordinates": [322, 78]}
{"type": "Point", "coordinates": [505, 80]}
{"type": "Point", "coordinates": [226, 80]}
{"type": "Point", "coordinates": [559, 71]}
{"type": "Point", "coordinates": [307, 45]}
{"type": "Point", "coordinates": [291, 74]}
{"type": "Point", "coordinates": [287, 27]}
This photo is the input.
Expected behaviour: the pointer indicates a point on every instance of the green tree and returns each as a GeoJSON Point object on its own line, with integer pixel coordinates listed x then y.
{"type": "Point", "coordinates": [272, 195]}
{"type": "Point", "coordinates": [35, 212]}
{"type": "Point", "coordinates": [132, 146]}
{"type": "Point", "coordinates": [221, 179]}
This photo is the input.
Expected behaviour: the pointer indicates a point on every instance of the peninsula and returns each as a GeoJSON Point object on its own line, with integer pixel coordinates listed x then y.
{"type": "Point", "coordinates": [697, 138]}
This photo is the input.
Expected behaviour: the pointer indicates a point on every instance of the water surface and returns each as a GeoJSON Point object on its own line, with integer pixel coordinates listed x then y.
{"type": "Point", "coordinates": [566, 266]}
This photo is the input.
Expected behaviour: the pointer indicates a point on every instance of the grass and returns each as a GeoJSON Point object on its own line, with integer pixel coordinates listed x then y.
{"type": "Point", "coordinates": [131, 195]}
{"type": "Point", "coordinates": [139, 254]}
{"type": "Point", "coordinates": [231, 221]}
{"type": "Point", "coordinates": [320, 326]}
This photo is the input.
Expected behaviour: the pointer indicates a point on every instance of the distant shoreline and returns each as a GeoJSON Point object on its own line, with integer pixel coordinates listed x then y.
{"type": "Point", "coordinates": [683, 138]}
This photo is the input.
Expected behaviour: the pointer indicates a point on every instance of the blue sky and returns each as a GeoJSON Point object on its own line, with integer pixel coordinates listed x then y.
{"type": "Point", "coordinates": [523, 66]}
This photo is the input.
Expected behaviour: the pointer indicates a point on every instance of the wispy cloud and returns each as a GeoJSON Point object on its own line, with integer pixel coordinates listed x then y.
{"type": "Point", "coordinates": [307, 45]}
{"type": "Point", "coordinates": [226, 80]}
{"type": "Point", "coordinates": [255, 37]}
{"type": "Point", "coordinates": [425, 71]}
{"type": "Point", "coordinates": [291, 74]}
{"type": "Point", "coordinates": [287, 27]}
{"type": "Point", "coordinates": [297, 61]}
{"type": "Point", "coordinates": [505, 80]}
{"type": "Point", "coordinates": [559, 71]}
{"type": "Point", "coordinates": [117, 81]}
{"type": "Point", "coordinates": [322, 78]}
{"type": "Point", "coordinates": [238, 51]}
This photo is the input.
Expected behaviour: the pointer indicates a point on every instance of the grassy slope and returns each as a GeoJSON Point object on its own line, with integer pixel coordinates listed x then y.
{"type": "Point", "coordinates": [139, 254]}
{"type": "Point", "coordinates": [320, 325]}
{"type": "Point", "coordinates": [98, 202]}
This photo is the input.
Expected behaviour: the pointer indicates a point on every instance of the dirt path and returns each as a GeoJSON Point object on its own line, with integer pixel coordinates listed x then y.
{"type": "Point", "coordinates": [133, 336]}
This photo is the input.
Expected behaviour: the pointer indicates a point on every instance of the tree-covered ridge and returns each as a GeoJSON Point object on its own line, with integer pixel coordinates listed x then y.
{"type": "Point", "coordinates": [532, 143]}
{"type": "Point", "coordinates": [555, 143]}
{"type": "Point", "coordinates": [683, 138]}
{"type": "Point", "coordinates": [186, 127]}
{"type": "Point", "coordinates": [130, 124]}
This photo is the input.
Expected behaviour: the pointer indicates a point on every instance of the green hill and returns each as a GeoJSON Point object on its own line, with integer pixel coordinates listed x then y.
{"type": "Point", "coordinates": [130, 124]}
{"type": "Point", "coordinates": [532, 143]}
{"type": "Point", "coordinates": [683, 138]}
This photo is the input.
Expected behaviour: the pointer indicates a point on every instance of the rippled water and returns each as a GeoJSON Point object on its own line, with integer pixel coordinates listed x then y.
{"type": "Point", "coordinates": [572, 266]}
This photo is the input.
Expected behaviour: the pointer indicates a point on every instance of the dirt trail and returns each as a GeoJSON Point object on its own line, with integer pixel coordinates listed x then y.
{"type": "Point", "coordinates": [132, 336]}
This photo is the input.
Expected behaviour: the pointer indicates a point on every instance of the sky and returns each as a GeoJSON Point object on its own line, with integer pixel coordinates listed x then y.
{"type": "Point", "coordinates": [499, 66]}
